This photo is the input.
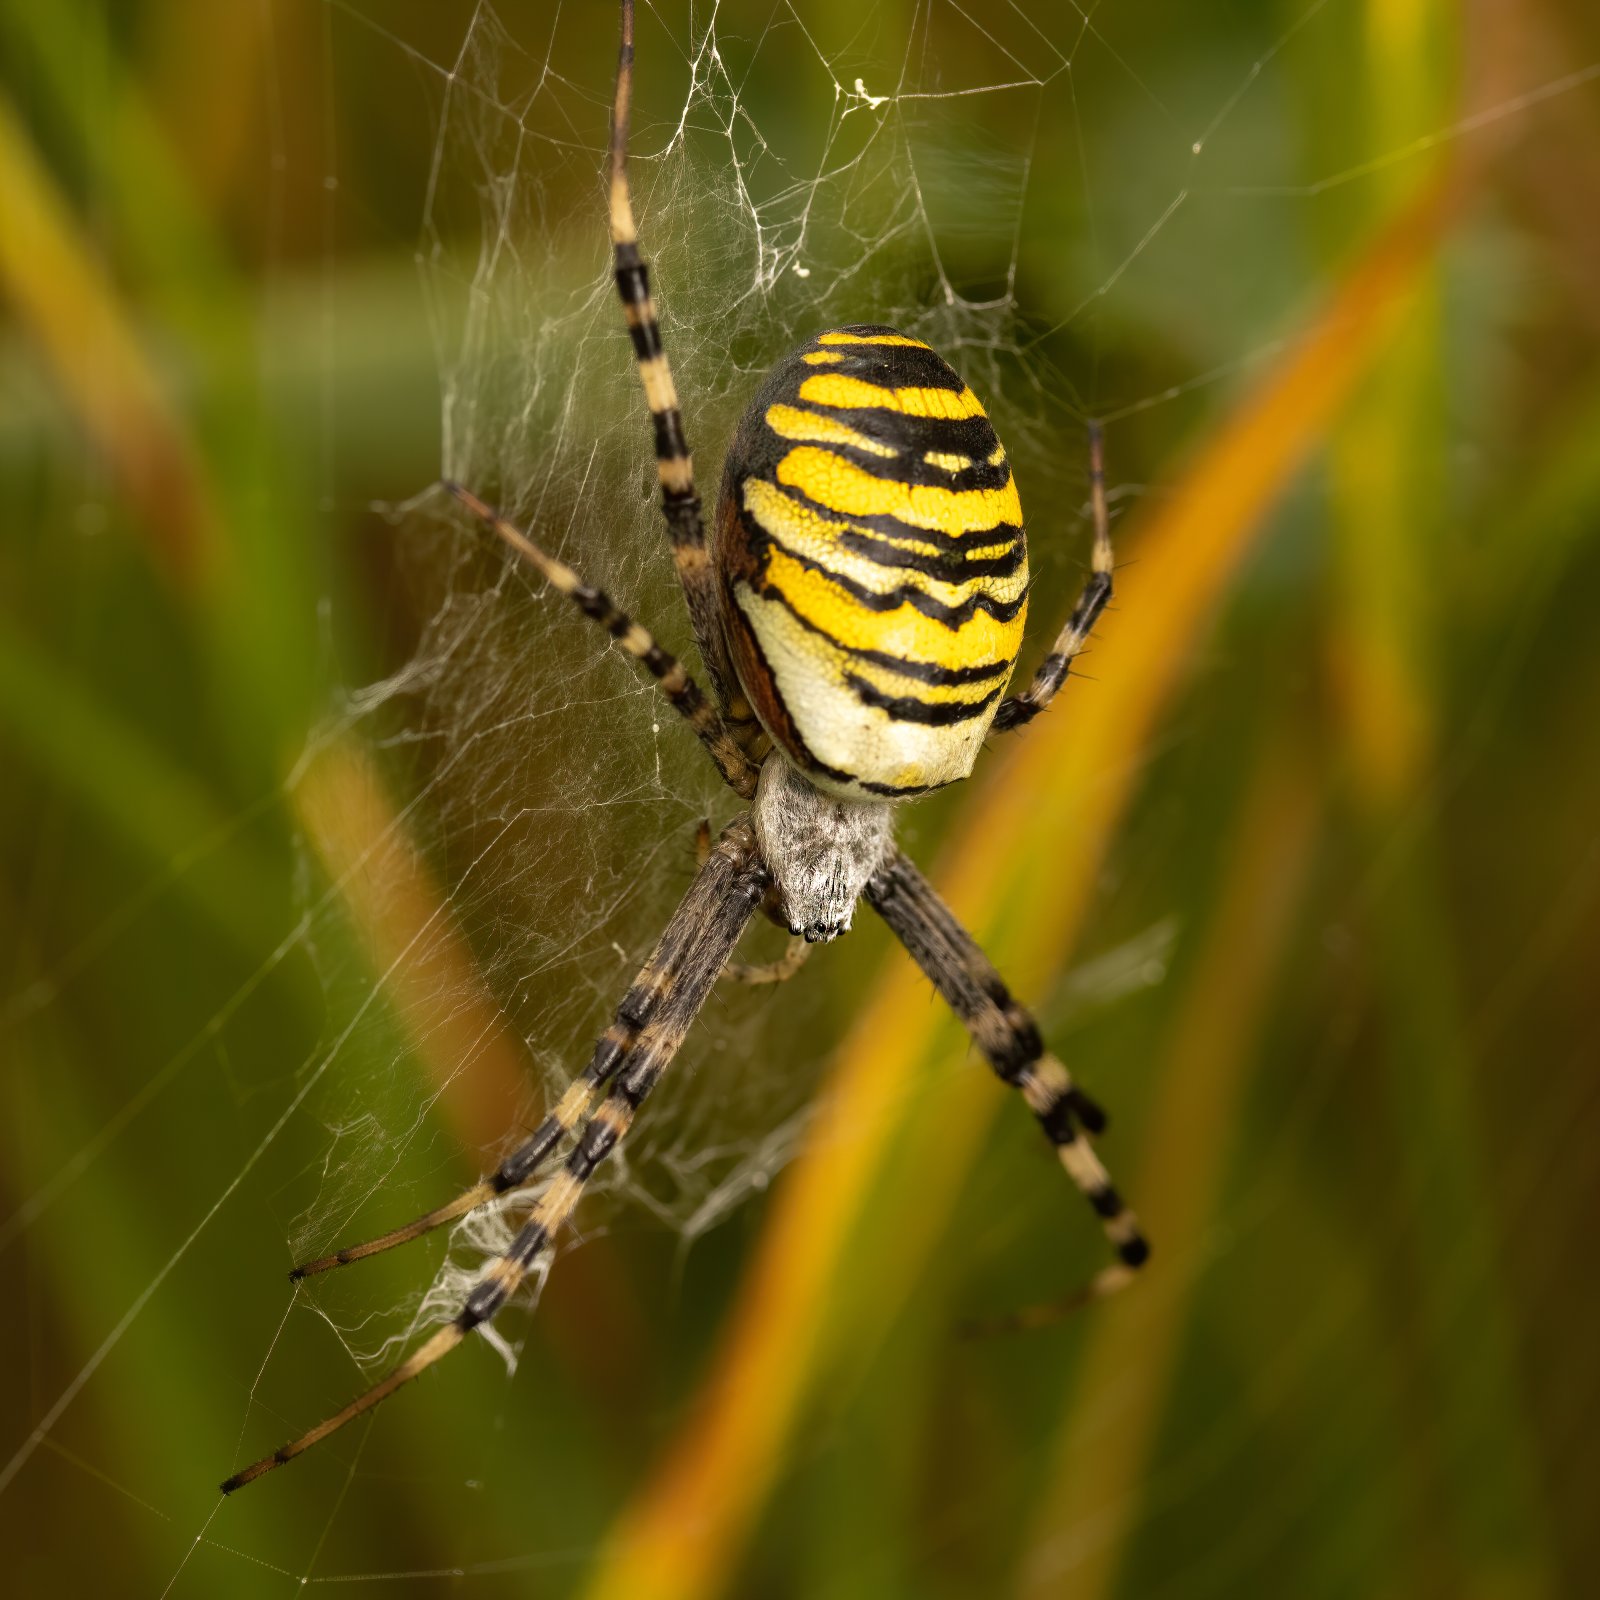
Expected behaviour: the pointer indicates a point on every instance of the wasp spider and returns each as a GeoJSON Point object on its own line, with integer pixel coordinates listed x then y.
{"type": "Point", "coordinates": [859, 606]}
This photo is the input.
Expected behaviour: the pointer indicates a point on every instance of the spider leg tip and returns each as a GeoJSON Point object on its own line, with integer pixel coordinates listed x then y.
{"type": "Point", "coordinates": [259, 1469]}
{"type": "Point", "coordinates": [981, 1329]}
{"type": "Point", "coordinates": [460, 493]}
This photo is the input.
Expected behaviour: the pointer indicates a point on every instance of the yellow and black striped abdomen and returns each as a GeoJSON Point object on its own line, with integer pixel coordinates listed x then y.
{"type": "Point", "coordinates": [873, 565]}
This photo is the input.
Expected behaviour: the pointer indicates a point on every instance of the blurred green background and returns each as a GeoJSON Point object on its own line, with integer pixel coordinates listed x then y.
{"type": "Point", "coordinates": [328, 843]}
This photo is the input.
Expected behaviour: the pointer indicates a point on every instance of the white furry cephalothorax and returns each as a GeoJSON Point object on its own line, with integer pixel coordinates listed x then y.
{"type": "Point", "coordinates": [821, 848]}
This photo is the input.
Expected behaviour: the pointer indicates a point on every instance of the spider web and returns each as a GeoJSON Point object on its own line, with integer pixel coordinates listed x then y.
{"type": "Point", "coordinates": [925, 166]}
{"type": "Point", "coordinates": [555, 781]}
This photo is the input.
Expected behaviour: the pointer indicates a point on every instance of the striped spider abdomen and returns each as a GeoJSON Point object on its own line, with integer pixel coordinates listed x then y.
{"type": "Point", "coordinates": [873, 565]}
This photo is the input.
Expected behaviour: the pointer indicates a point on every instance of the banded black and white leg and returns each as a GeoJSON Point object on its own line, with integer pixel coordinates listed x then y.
{"type": "Point", "coordinates": [522, 1166]}
{"type": "Point", "coordinates": [1006, 1034]}
{"type": "Point", "coordinates": [682, 692]}
{"type": "Point", "coordinates": [667, 995]}
{"type": "Point", "coordinates": [1017, 710]}
{"type": "Point", "coordinates": [680, 498]}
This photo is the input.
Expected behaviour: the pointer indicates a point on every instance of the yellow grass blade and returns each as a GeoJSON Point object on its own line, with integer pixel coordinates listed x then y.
{"type": "Point", "coordinates": [414, 943]}
{"type": "Point", "coordinates": [1120, 1386]}
{"type": "Point", "coordinates": [679, 1537]}
{"type": "Point", "coordinates": [71, 310]}
{"type": "Point", "coordinates": [459, 1034]}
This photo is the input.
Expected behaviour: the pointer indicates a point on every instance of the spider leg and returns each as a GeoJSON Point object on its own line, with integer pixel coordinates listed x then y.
{"type": "Point", "coordinates": [685, 964]}
{"type": "Point", "coordinates": [1017, 710]}
{"type": "Point", "coordinates": [684, 694]}
{"type": "Point", "coordinates": [680, 499]}
{"type": "Point", "coordinates": [522, 1165]}
{"type": "Point", "coordinates": [1009, 1037]}
{"type": "Point", "coordinates": [779, 970]}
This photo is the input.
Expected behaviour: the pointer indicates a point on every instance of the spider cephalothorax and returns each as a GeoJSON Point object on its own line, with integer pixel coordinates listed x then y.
{"type": "Point", "coordinates": [822, 849]}
{"type": "Point", "coordinates": [859, 613]}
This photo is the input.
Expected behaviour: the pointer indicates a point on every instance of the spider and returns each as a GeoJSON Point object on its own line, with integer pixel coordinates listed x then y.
{"type": "Point", "coordinates": [858, 603]}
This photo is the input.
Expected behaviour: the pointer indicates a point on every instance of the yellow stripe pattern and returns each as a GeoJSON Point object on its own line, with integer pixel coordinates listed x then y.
{"type": "Point", "coordinates": [873, 551]}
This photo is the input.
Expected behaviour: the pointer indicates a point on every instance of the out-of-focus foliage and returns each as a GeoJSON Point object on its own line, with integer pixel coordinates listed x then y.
{"type": "Point", "coordinates": [1324, 815]}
